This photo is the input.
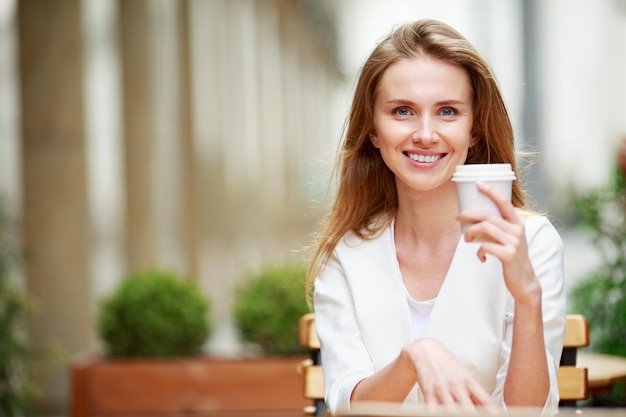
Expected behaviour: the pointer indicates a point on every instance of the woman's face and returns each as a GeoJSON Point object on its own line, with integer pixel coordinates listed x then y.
{"type": "Point", "coordinates": [423, 121]}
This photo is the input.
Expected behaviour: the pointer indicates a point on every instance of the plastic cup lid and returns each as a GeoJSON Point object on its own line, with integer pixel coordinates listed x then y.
{"type": "Point", "coordinates": [489, 172]}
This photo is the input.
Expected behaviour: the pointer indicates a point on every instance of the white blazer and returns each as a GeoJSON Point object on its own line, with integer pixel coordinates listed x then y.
{"type": "Point", "coordinates": [363, 319]}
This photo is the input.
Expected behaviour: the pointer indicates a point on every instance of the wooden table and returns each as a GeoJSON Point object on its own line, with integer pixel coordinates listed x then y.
{"type": "Point", "coordinates": [603, 370]}
{"type": "Point", "coordinates": [373, 409]}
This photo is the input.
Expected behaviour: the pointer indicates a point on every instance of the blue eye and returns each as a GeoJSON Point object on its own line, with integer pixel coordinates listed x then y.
{"type": "Point", "coordinates": [448, 111]}
{"type": "Point", "coordinates": [402, 111]}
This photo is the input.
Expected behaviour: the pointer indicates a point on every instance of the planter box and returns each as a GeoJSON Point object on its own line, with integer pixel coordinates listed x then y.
{"type": "Point", "coordinates": [202, 386]}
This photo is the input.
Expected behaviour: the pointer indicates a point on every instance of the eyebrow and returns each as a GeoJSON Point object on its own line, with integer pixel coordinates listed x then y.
{"type": "Point", "coordinates": [439, 103]}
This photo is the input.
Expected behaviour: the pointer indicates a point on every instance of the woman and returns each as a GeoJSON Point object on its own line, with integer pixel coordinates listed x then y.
{"type": "Point", "coordinates": [407, 309]}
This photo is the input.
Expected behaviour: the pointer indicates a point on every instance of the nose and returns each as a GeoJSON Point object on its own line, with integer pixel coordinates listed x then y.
{"type": "Point", "coordinates": [424, 131]}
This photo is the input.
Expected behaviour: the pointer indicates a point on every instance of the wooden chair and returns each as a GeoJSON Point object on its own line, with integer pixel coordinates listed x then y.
{"type": "Point", "coordinates": [573, 382]}
{"type": "Point", "coordinates": [311, 369]}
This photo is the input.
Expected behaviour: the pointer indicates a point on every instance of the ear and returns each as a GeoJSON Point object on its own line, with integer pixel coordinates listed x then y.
{"type": "Point", "coordinates": [374, 140]}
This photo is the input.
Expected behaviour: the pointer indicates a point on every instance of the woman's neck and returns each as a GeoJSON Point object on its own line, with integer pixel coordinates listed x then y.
{"type": "Point", "coordinates": [428, 215]}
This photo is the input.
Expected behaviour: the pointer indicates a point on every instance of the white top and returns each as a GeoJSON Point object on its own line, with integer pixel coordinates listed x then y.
{"type": "Point", "coordinates": [363, 318]}
{"type": "Point", "coordinates": [420, 312]}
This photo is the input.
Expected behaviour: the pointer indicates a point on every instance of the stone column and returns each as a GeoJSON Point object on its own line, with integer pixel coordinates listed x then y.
{"type": "Point", "coordinates": [55, 209]}
{"type": "Point", "coordinates": [189, 172]}
{"type": "Point", "coordinates": [210, 69]}
{"type": "Point", "coordinates": [138, 132]}
{"type": "Point", "coordinates": [168, 173]}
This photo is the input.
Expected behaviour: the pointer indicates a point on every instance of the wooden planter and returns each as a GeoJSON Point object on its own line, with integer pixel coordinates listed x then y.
{"type": "Point", "coordinates": [202, 386]}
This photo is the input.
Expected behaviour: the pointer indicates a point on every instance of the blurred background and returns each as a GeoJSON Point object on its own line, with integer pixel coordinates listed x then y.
{"type": "Point", "coordinates": [198, 135]}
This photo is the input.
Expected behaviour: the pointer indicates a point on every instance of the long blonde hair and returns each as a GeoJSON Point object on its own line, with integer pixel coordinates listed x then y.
{"type": "Point", "coordinates": [366, 189]}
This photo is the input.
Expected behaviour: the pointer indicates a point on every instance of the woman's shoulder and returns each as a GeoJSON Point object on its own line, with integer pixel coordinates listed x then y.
{"type": "Point", "coordinates": [539, 225]}
{"type": "Point", "coordinates": [373, 234]}
{"type": "Point", "coordinates": [533, 218]}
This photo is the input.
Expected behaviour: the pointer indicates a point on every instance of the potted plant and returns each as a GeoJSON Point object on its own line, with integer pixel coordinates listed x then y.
{"type": "Point", "coordinates": [267, 309]}
{"type": "Point", "coordinates": [601, 297]}
{"type": "Point", "coordinates": [154, 315]}
{"type": "Point", "coordinates": [152, 327]}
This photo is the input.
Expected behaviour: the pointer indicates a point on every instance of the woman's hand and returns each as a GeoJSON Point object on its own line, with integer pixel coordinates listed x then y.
{"type": "Point", "coordinates": [444, 381]}
{"type": "Point", "coordinates": [505, 238]}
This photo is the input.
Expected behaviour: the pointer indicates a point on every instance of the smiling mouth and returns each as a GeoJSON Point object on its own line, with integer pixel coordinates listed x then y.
{"type": "Point", "coordinates": [424, 158]}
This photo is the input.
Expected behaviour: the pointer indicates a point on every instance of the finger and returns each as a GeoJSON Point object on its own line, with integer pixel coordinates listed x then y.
{"type": "Point", "coordinates": [431, 399]}
{"type": "Point", "coordinates": [486, 231]}
{"type": "Point", "coordinates": [494, 230]}
{"type": "Point", "coordinates": [464, 399]}
{"type": "Point", "coordinates": [505, 253]}
{"type": "Point", "coordinates": [428, 401]}
{"type": "Point", "coordinates": [456, 393]}
{"type": "Point", "coordinates": [469, 223]}
{"type": "Point", "coordinates": [480, 397]}
{"type": "Point", "coordinates": [474, 217]}
{"type": "Point", "coordinates": [446, 399]}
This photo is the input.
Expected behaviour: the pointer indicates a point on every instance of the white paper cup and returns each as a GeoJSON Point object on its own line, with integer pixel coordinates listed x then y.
{"type": "Point", "coordinates": [499, 176]}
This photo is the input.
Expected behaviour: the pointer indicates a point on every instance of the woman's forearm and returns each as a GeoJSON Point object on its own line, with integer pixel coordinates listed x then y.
{"type": "Point", "coordinates": [527, 381]}
{"type": "Point", "coordinates": [392, 383]}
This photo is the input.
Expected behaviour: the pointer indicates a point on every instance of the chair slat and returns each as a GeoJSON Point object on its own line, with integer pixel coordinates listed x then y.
{"type": "Point", "coordinates": [308, 334]}
{"type": "Point", "coordinates": [313, 382]}
{"type": "Point", "coordinates": [573, 384]}
{"type": "Point", "coordinates": [576, 331]}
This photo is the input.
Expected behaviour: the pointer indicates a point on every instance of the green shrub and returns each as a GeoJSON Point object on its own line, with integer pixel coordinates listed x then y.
{"type": "Point", "coordinates": [268, 307]}
{"type": "Point", "coordinates": [153, 315]}
{"type": "Point", "coordinates": [17, 389]}
{"type": "Point", "coordinates": [601, 296]}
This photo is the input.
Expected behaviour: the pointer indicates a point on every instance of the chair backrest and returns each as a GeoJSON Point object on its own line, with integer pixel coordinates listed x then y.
{"type": "Point", "coordinates": [308, 335]}
{"type": "Point", "coordinates": [573, 382]}
{"type": "Point", "coordinates": [311, 369]}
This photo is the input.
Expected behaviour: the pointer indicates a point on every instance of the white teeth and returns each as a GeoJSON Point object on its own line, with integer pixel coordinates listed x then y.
{"type": "Point", "coordinates": [424, 158]}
